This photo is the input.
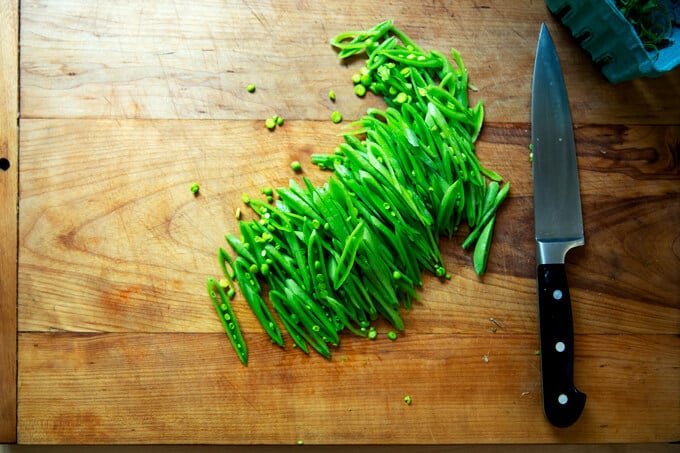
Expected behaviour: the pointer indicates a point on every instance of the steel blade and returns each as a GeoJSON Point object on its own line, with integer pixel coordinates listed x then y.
{"type": "Point", "coordinates": [557, 199]}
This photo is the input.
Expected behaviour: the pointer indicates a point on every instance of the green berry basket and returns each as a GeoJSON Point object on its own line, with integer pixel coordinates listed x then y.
{"type": "Point", "coordinates": [613, 42]}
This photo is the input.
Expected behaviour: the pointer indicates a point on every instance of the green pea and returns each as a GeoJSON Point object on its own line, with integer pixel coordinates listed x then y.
{"type": "Point", "coordinates": [264, 269]}
{"type": "Point", "coordinates": [336, 117]}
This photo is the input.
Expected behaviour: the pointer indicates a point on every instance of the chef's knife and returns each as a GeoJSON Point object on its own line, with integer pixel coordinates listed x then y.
{"type": "Point", "coordinates": [558, 226]}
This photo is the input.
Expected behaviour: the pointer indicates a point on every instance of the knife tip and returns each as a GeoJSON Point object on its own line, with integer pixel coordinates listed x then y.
{"type": "Point", "coordinates": [544, 37]}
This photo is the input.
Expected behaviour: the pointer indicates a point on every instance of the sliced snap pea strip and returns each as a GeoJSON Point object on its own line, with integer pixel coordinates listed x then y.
{"type": "Point", "coordinates": [292, 199]}
{"type": "Point", "coordinates": [410, 59]}
{"type": "Point", "coordinates": [239, 248]}
{"type": "Point", "coordinates": [474, 234]}
{"type": "Point", "coordinates": [450, 106]}
{"type": "Point", "coordinates": [472, 198]}
{"type": "Point", "coordinates": [388, 310]}
{"type": "Point", "coordinates": [290, 323]}
{"type": "Point", "coordinates": [228, 319]}
{"type": "Point", "coordinates": [251, 292]}
{"type": "Point", "coordinates": [492, 175]}
{"type": "Point", "coordinates": [360, 298]}
{"type": "Point", "coordinates": [378, 281]}
{"type": "Point", "coordinates": [481, 253]}
{"type": "Point", "coordinates": [349, 252]}
{"type": "Point", "coordinates": [447, 208]}
{"type": "Point", "coordinates": [316, 265]}
{"type": "Point", "coordinates": [419, 240]}
{"type": "Point", "coordinates": [309, 333]}
{"type": "Point", "coordinates": [334, 215]}
{"type": "Point", "coordinates": [359, 40]}
{"type": "Point", "coordinates": [342, 313]}
{"type": "Point", "coordinates": [271, 214]}
{"type": "Point", "coordinates": [295, 247]}
{"type": "Point", "coordinates": [283, 264]}
{"type": "Point", "coordinates": [225, 260]}
{"type": "Point", "coordinates": [491, 192]}
{"type": "Point", "coordinates": [314, 312]}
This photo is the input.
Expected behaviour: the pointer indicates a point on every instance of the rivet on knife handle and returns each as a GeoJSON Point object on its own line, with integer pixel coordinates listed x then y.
{"type": "Point", "coordinates": [562, 402]}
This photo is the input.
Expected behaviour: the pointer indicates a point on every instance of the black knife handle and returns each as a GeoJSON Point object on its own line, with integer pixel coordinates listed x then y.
{"type": "Point", "coordinates": [562, 401]}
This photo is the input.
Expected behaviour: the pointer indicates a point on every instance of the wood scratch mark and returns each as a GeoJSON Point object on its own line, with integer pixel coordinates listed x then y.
{"type": "Point", "coordinates": [168, 86]}
{"type": "Point", "coordinates": [429, 428]}
{"type": "Point", "coordinates": [495, 321]}
{"type": "Point", "coordinates": [260, 18]}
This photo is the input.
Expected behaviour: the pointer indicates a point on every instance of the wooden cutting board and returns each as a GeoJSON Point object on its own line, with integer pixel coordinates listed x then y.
{"type": "Point", "coordinates": [125, 104]}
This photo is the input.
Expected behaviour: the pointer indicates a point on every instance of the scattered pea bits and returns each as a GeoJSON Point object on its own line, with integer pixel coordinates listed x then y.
{"type": "Point", "coordinates": [321, 261]}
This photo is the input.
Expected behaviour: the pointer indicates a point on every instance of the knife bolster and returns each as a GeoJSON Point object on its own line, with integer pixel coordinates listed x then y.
{"type": "Point", "coordinates": [554, 251]}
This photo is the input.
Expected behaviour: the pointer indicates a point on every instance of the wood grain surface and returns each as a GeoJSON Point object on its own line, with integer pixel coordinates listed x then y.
{"type": "Point", "coordinates": [124, 105]}
{"type": "Point", "coordinates": [182, 388]}
{"type": "Point", "coordinates": [183, 59]}
{"type": "Point", "coordinates": [9, 189]}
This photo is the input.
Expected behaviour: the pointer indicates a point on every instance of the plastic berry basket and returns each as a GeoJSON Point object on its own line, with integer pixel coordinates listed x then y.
{"type": "Point", "coordinates": [614, 46]}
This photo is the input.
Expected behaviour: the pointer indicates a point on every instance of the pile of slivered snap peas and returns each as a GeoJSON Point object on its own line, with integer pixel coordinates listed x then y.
{"type": "Point", "coordinates": [335, 257]}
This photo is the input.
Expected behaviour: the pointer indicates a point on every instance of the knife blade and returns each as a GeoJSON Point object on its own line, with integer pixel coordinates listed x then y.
{"type": "Point", "coordinates": [558, 226]}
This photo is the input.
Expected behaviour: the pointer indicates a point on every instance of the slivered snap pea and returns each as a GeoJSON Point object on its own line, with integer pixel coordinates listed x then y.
{"type": "Point", "coordinates": [228, 319]}
{"type": "Point", "coordinates": [239, 248]}
{"type": "Point", "coordinates": [315, 312]}
{"type": "Point", "coordinates": [472, 199]}
{"type": "Point", "coordinates": [447, 208]}
{"type": "Point", "coordinates": [286, 317]}
{"type": "Point", "coordinates": [251, 292]}
{"type": "Point", "coordinates": [349, 252]}
{"type": "Point", "coordinates": [314, 338]}
{"type": "Point", "coordinates": [342, 313]}
{"type": "Point", "coordinates": [337, 256]}
{"type": "Point", "coordinates": [491, 192]}
{"type": "Point", "coordinates": [481, 253]}
{"type": "Point", "coordinates": [472, 237]}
